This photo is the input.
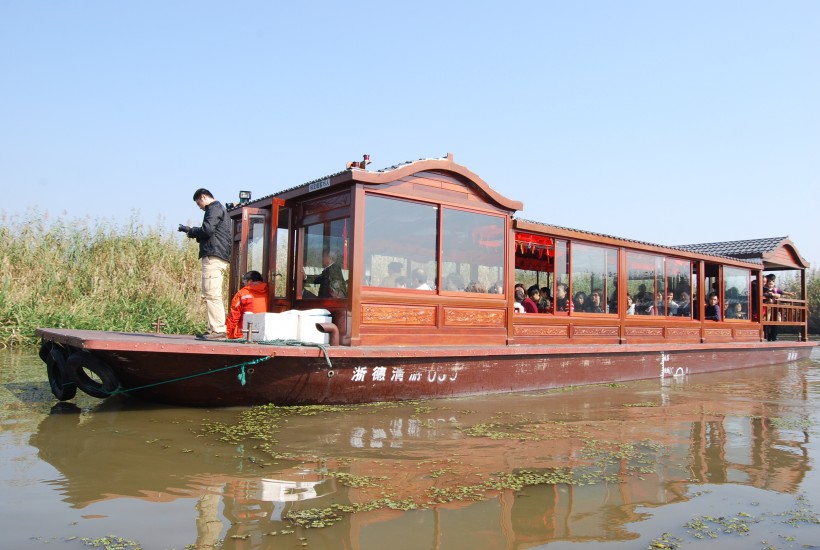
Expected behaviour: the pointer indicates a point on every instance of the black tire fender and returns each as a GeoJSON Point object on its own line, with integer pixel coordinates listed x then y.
{"type": "Point", "coordinates": [81, 363]}
{"type": "Point", "coordinates": [59, 376]}
{"type": "Point", "coordinates": [45, 350]}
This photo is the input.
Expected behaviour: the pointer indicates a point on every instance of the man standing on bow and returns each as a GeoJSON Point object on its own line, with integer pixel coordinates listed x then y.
{"type": "Point", "coordinates": [214, 238]}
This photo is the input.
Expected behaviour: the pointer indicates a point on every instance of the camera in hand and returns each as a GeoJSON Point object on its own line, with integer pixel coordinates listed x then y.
{"type": "Point", "coordinates": [183, 228]}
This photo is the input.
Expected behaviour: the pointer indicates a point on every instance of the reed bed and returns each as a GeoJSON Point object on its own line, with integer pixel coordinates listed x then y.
{"type": "Point", "coordinates": [94, 274]}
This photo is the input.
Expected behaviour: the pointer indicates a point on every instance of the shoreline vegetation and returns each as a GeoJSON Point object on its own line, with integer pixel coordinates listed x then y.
{"type": "Point", "coordinates": [95, 274]}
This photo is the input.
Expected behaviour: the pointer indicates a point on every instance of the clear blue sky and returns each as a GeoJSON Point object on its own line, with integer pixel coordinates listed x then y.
{"type": "Point", "coordinates": [668, 122]}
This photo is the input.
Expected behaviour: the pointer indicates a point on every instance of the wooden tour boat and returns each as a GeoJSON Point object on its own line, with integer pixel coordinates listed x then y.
{"type": "Point", "coordinates": [429, 255]}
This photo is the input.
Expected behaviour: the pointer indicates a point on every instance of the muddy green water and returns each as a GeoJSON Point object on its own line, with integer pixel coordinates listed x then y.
{"type": "Point", "coordinates": [711, 461]}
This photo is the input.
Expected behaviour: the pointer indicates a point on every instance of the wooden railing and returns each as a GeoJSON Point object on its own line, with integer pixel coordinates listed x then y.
{"type": "Point", "coordinates": [785, 312]}
{"type": "Point", "coordinates": [788, 312]}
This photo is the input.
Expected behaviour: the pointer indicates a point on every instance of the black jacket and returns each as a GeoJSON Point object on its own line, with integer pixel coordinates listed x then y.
{"type": "Point", "coordinates": [214, 237]}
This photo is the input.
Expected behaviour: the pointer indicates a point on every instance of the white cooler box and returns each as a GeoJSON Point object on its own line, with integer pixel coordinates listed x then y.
{"type": "Point", "coordinates": [288, 325]}
{"type": "Point", "coordinates": [272, 326]}
{"type": "Point", "coordinates": [307, 325]}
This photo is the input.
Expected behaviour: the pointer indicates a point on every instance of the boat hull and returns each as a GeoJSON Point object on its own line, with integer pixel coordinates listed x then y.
{"type": "Point", "coordinates": [180, 370]}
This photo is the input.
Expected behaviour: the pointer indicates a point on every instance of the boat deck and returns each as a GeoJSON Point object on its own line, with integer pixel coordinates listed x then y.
{"type": "Point", "coordinates": [187, 344]}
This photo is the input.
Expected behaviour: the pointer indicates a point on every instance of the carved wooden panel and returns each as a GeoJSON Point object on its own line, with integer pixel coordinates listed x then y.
{"type": "Point", "coordinates": [747, 332]}
{"type": "Point", "coordinates": [595, 331]}
{"type": "Point", "coordinates": [535, 330]}
{"type": "Point", "coordinates": [644, 331]}
{"type": "Point", "coordinates": [718, 332]}
{"type": "Point", "coordinates": [683, 332]}
{"type": "Point", "coordinates": [474, 317]}
{"type": "Point", "coordinates": [398, 315]}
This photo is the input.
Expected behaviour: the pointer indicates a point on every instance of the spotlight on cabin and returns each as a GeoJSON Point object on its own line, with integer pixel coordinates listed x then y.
{"type": "Point", "coordinates": [244, 197]}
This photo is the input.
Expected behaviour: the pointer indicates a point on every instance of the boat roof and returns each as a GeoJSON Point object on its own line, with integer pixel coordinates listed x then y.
{"type": "Point", "coordinates": [444, 165]}
{"type": "Point", "coordinates": [774, 253]}
{"type": "Point", "coordinates": [603, 238]}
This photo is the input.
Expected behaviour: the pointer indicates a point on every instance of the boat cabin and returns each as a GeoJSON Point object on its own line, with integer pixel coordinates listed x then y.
{"type": "Point", "coordinates": [426, 253]}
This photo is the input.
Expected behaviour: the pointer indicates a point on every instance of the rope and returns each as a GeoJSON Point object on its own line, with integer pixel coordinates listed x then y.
{"type": "Point", "coordinates": [241, 376]}
{"type": "Point", "coordinates": [238, 365]}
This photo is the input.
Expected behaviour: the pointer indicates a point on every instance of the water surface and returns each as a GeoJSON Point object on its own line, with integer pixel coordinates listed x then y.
{"type": "Point", "coordinates": [723, 460]}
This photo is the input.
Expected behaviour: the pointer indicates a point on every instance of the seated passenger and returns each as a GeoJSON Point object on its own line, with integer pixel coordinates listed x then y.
{"type": "Point", "coordinates": [671, 304]}
{"type": "Point", "coordinates": [251, 298]}
{"type": "Point", "coordinates": [684, 305]}
{"type": "Point", "coordinates": [735, 311]}
{"type": "Point", "coordinates": [495, 288]}
{"type": "Point", "coordinates": [643, 301]}
{"type": "Point", "coordinates": [630, 305]}
{"type": "Point", "coordinates": [420, 280]}
{"type": "Point", "coordinates": [561, 301]}
{"type": "Point", "coordinates": [545, 303]}
{"type": "Point", "coordinates": [520, 295]}
{"type": "Point", "coordinates": [712, 312]}
{"type": "Point", "coordinates": [594, 304]}
{"type": "Point", "coordinates": [579, 303]}
{"type": "Point", "coordinates": [475, 286]}
{"type": "Point", "coordinates": [393, 272]}
{"type": "Point", "coordinates": [530, 303]}
{"type": "Point", "coordinates": [401, 282]}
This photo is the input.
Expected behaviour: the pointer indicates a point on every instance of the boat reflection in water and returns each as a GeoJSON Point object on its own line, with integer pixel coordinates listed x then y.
{"type": "Point", "coordinates": [626, 448]}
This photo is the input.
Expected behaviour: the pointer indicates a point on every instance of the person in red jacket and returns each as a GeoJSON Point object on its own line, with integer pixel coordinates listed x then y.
{"type": "Point", "coordinates": [251, 298]}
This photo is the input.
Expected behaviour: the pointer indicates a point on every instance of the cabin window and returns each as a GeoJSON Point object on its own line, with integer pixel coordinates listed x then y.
{"type": "Point", "coordinates": [472, 255]}
{"type": "Point", "coordinates": [657, 285]}
{"type": "Point", "coordinates": [542, 261]}
{"type": "Point", "coordinates": [325, 259]}
{"type": "Point", "coordinates": [736, 284]}
{"type": "Point", "coordinates": [644, 282]}
{"type": "Point", "coordinates": [594, 279]}
{"type": "Point", "coordinates": [280, 280]}
{"type": "Point", "coordinates": [400, 243]}
{"type": "Point", "coordinates": [679, 287]}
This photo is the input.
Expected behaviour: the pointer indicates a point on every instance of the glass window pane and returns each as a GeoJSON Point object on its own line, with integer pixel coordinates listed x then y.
{"type": "Point", "coordinates": [592, 278]}
{"type": "Point", "coordinates": [679, 287]}
{"type": "Point", "coordinates": [282, 246]}
{"type": "Point", "coordinates": [325, 260]}
{"type": "Point", "coordinates": [256, 243]}
{"type": "Point", "coordinates": [472, 252]}
{"type": "Point", "coordinates": [400, 241]}
{"type": "Point", "coordinates": [641, 283]}
{"type": "Point", "coordinates": [736, 283]}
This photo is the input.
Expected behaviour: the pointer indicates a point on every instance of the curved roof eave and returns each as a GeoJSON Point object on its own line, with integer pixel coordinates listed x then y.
{"type": "Point", "coordinates": [398, 171]}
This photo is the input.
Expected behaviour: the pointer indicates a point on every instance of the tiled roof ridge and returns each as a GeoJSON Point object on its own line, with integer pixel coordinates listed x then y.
{"type": "Point", "coordinates": [683, 248]}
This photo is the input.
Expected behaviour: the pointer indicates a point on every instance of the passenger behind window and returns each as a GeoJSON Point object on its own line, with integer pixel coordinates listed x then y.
{"type": "Point", "coordinates": [712, 312]}
{"type": "Point", "coordinates": [735, 311]}
{"type": "Point", "coordinates": [684, 305]}
{"type": "Point", "coordinates": [475, 286]}
{"type": "Point", "coordinates": [401, 282]}
{"type": "Point", "coordinates": [594, 304]}
{"type": "Point", "coordinates": [630, 305]}
{"type": "Point", "coordinates": [579, 303]}
{"type": "Point", "coordinates": [530, 303]}
{"type": "Point", "coordinates": [495, 288]}
{"type": "Point", "coordinates": [420, 280]}
{"type": "Point", "coordinates": [519, 298]}
{"type": "Point", "coordinates": [671, 305]}
{"type": "Point", "coordinates": [393, 272]}
{"type": "Point", "coordinates": [561, 301]}
{"type": "Point", "coordinates": [643, 301]}
{"type": "Point", "coordinates": [545, 303]}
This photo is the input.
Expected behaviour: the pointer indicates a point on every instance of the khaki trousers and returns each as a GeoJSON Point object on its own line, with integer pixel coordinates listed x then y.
{"type": "Point", "coordinates": [213, 272]}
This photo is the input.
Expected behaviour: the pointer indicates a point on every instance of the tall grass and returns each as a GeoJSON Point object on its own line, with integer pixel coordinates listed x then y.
{"type": "Point", "coordinates": [88, 274]}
